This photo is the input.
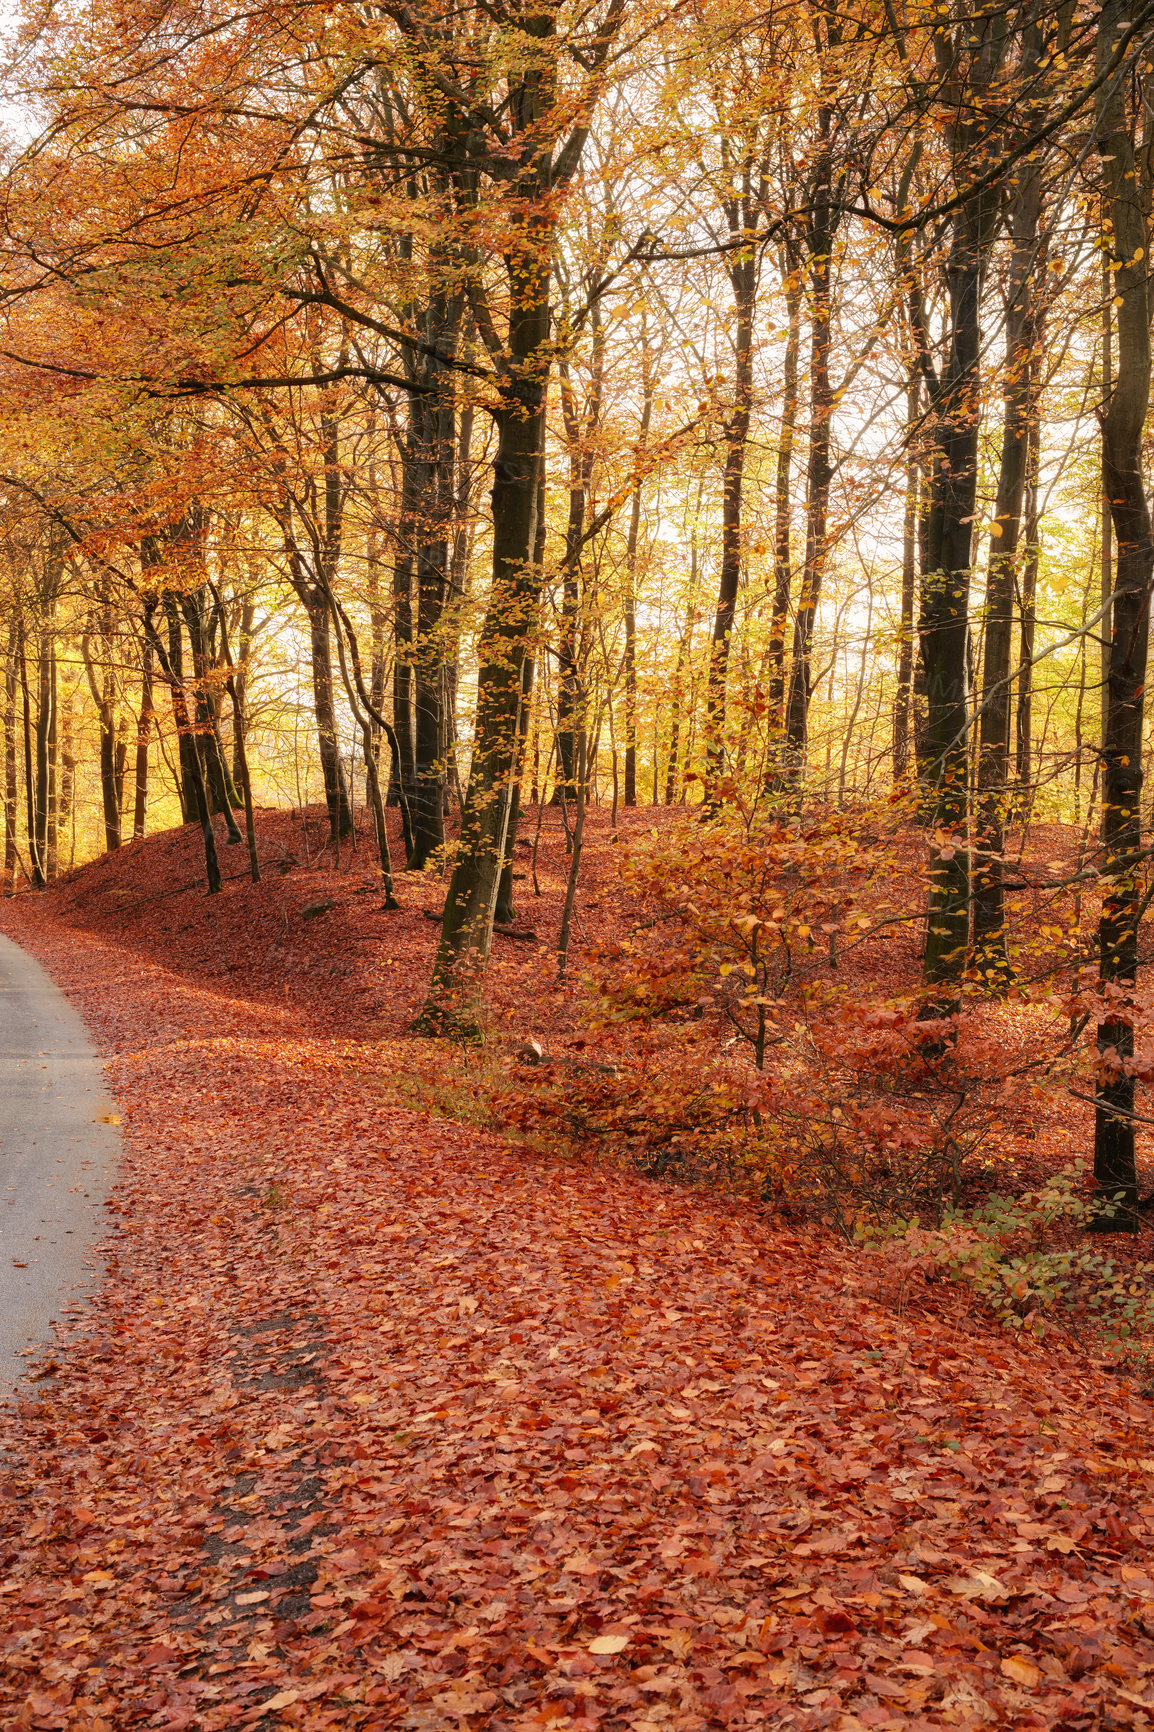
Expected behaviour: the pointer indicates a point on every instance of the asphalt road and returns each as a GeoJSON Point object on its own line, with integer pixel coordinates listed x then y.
{"type": "Point", "coordinates": [57, 1159]}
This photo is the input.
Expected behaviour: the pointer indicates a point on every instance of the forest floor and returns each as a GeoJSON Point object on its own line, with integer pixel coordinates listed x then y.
{"type": "Point", "coordinates": [381, 1419]}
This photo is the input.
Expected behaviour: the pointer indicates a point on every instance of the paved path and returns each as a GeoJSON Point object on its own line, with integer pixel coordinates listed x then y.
{"type": "Point", "coordinates": [57, 1160]}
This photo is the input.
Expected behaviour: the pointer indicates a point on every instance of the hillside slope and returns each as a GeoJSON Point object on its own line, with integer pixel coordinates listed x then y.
{"type": "Point", "coordinates": [380, 1422]}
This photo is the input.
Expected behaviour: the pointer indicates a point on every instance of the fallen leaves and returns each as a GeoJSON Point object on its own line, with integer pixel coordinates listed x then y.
{"type": "Point", "coordinates": [1020, 1671]}
{"type": "Point", "coordinates": [608, 1644]}
{"type": "Point", "coordinates": [427, 1432]}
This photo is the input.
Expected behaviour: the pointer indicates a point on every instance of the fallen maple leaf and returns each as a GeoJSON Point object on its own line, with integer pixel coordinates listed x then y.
{"type": "Point", "coordinates": [1021, 1671]}
{"type": "Point", "coordinates": [608, 1644]}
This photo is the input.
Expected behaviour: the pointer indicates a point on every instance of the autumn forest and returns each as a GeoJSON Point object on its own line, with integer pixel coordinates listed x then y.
{"type": "Point", "coordinates": [574, 606]}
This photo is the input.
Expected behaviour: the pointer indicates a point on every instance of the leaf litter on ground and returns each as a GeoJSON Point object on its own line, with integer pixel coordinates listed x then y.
{"type": "Point", "coordinates": [378, 1421]}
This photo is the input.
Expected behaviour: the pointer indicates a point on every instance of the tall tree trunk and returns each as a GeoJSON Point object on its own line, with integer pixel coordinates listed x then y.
{"type": "Point", "coordinates": [1027, 611]}
{"type": "Point", "coordinates": [332, 766]}
{"type": "Point", "coordinates": [240, 680]}
{"type": "Point", "coordinates": [191, 768]}
{"type": "Point", "coordinates": [45, 739]}
{"type": "Point", "coordinates": [403, 566]}
{"type": "Point", "coordinates": [223, 795]}
{"type": "Point", "coordinates": [103, 691]}
{"type": "Point", "coordinates": [944, 622]}
{"type": "Point", "coordinates": [52, 825]}
{"type": "Point", "coordinates": [433, 558]}
{"type": "Point", "coordinates": [904, 696]}
{"type": "Point", "coordinates": [648, 388]}
{"type": "Point", "coordinates": [818, 470]}
{"type": "Point", "coordinates": [743, 276]}
{"type": "Point", "coordinates": [1126, 179]}
{"type": "Point", "coordinates": [37, 863]}
{"type": "Point", "coordinates": [467, 927]}
{"type": "Point", "coordinates": [673, 780]}
{"type": "Point", "coordinates": [783, 521]}
{"type": "Point", "coordinates": [994, 786]}
{"type": "Point", "coordinates": [67, 807]}
{"type": "Point", "coordinates": [506, 913]}
{"type": "Point", "coordinates": [187, 753]}
{"type": "Point", "coordinates": [1107, 564]}
{"type": "Point", "coordinates": [580, 435]}
{"type": "Point", "coordinates": [11, 809]}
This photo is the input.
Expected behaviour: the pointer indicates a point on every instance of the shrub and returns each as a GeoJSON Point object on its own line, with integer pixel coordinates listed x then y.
{"type": "Point", "coordinates": [1010, 1253]}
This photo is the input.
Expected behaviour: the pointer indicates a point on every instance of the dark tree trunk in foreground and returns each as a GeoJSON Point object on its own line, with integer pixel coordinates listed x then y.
{"type": "Point", "coordinates": [944, 615]}
{"type": "Point", "coordinates": [521, 362]}
{"type": "Point", "coordinates": [994, 781]}
{"type": "Point", "coordinates": [467, 928]}
{"type": "Point", "coordinates": [943, 623]}
{"type": "Point", "coordinates": [433, 411]}
{"type": "Point", "coordinates": [1126, 181]}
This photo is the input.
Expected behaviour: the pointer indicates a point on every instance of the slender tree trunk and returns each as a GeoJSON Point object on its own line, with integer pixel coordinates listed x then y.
{"type": "Point", "coordinates": [743, 275]}
{"type": "Point", "coordinates": [1107, 570]}
{"type": "Point", "coordinates": [506, 913]}
{"type": "Point", "coordinates": [11, 808]}
{"type": "Point", "coordinates": [332, 765]}
{"type": "Point", "coordinates": [673, 783]}
{"type": "Point", "coordinates": [822, 229]}
{"type": "Point", "coordinates": [143, 737]}
{"type": "Point", "coordinates": [568, 675]}
{"type": "Point", "coordinates": [580, 433]}
{"type": "Point", "coordinates": [239, 731]}
{"type": "Point", "coordinates": [215, 765]}
{"type": "Point", "coordinates": [403, 566]}
{"type": "Point", "coordinates": [45, 740]}
{"type": "Point", "coordinates": [240, 680]}
{"type": "Point", "coordinates": [186, 745]}
{"type": "Point", "coordinates": [782, 523]}
{"type": "Point", "coordinates": [103, 691]}
{"type": "Point", "coordinates": [993, 778]}
{"type": "Point", "coordinates": [67, 811]}
{"type": "Point", "coordinates": [191, 767]}
{"type": "Point", "coordinates": [433, 558]}
{"type": "Point", "coordinates": [1027, 610]}
{"type": "Point", "coordinates": [575, 855]}
{"type": "Point", "coordinates": [29, 796]}
{"type": "Point", "coordinates": [1128, 189]}
{"type": "Point", "coordinates": [904, 696]}
{"type": "Point", "coordinates": [631, 545]}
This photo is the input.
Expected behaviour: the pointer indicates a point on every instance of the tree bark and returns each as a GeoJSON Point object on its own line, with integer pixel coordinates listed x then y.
{"type": "Point", "coordinates": [1027, 610]}
{"type": "Point", "coordinates": [903, 698]}
{"type": "Point", "coordinates": [744, 273]}
{"type": "Point", "coordinates": [783, 521]}
{"type": "Point", "coordinates": [994, 784]}
{"type": "Point", "coordinates": [11, 810]}
{"type": "Point", "coordinates": [143, 738]}
{"type": "Point", "coordinates": [648, 388]}
{"type": "Point", "coordinates": [190, 764]}
{"type": "Point", "coordinates": [467, 928]}
{"type": "Point", "coordinates": [1126, 180]}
